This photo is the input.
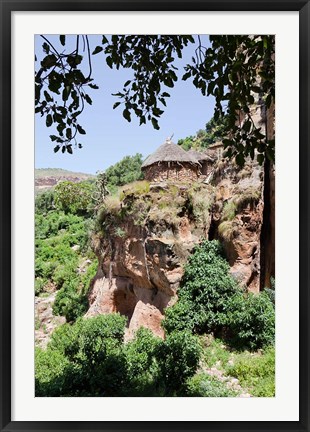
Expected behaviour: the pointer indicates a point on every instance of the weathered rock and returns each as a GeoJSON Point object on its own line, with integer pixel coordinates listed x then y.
{"type": "Point", "coordinates": [140, 270]}
{"type": "Point", "coordinates": [243, 190]}
{"type": "Point", "coordinates": [45, 321]}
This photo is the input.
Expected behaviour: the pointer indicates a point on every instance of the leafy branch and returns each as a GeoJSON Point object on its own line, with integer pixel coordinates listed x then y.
{"type": "Point", "coordinates": [237, 70]}
{"type": "Point", "coordinates": [60, 91]}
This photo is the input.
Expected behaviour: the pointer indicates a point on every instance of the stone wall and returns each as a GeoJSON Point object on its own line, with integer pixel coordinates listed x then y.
{"type": "Point", "coordinates": [171, 171]}
{"type": "Point", "coordinates": [206, 167]}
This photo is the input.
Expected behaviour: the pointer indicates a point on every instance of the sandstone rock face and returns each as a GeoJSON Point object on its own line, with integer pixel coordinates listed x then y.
{"type": "Point", "coordinates": [237, 219]}
{"type": "Point", "coordinates": [139, 272]}
{"type": "Point", "coordinates": [148, 237]}
{"type": "Point", "coordinates": [142, 306]}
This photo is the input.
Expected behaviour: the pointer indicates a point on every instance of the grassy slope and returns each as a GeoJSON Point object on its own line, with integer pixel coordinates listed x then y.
{"type": "Point", "coordinates": [58, 172]}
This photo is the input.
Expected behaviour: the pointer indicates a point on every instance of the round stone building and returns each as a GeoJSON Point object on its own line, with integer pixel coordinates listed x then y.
{"type": "Point", "coordinates": [170, 162]}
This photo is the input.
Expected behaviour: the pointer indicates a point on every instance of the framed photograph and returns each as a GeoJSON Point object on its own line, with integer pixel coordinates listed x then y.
{"type": "Point", "coordinates": [154, 192]}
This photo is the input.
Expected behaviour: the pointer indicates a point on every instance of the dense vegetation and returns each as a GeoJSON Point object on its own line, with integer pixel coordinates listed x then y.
{"type": "Point", "coordinates": [211, 301]}
{"type": "Point", "coordinates": [88, 357]}
{"type": "Point", "coordinates": [214, 325]}
{"type": "Point", "coordinates": [213, 132]}
{"type": "Point", "coordinates": [62, 248]}
{"type": "Point", "coordinates": [127, 170]}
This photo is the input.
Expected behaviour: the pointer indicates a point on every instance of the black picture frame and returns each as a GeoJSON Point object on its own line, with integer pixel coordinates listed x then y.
{"type": "Point", "coordinates": [7, 7]}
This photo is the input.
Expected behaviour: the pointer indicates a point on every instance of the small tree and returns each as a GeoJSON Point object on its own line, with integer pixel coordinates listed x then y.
{"type": "Point", "coordinates": [75, 198]}
{"type": "Point", "coordinates": [125, 171]}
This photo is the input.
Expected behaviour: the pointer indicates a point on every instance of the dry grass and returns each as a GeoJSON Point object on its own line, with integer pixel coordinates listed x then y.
{"type": "Point", "coordinates": [201, 199]}
{"type": "Point", "coordinates": [112, 204]}
{"type": "Point", "coordinates": [226, 230]}
{"type": "Point", "coordinates": [136, 188]}
{"type": "Point", "coordinates": [249, 196]}
{"type": "Point", "coordinates": [229, 211]}
{"type": "Point", "coordinates": [167, 214]}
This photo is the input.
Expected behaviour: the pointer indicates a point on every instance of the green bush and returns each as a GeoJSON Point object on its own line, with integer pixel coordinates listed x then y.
{"type": "Point", "coordinates": [89, 358]}
{"type": "Point", "coordinates": [56, 261]}
{"type": "Point", "coordinates": [93, 348]}
{"type": "Point", "coordinates": [69, 302]}
{"type": "Point", "coordinates": [64, 273]}
{"type": "Point", "coordinates": [204, 292]}
{"type": "Point", "coordinates": [251, 319]}
{"type": "Point", "coordinates": [181, 316]}
{"type": "Point", "coordinates": [87, 339]}
{"type": "Point", "coordinates": [52, 373]}
{"type": "Point", "coordinates": [125, 171]}
{"type": "Point", "coordinates": [142, 365]}
{"type": "Point", "coordinates": [44, 202]}
{"type": "Point", "coordinates": [52, 255]}
{"type": "Point", "coordinates": [39, 284]}
{"type": "Point", "coordinates": [74, 198]}
{"type": "Point", "coordinates": [178, 357]}
{"type": "Point", "coordinates": [54, 222]}
{"type": "Point", "coordinates": [71, 299]}
{"type": "Point", "coordinates": [211, 301]}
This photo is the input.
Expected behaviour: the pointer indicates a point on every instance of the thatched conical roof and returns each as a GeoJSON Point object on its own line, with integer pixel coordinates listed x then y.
{"type": "Point", "coordinates": [199, 156]}
{"type": "Point", "coordinates": [169, 152]}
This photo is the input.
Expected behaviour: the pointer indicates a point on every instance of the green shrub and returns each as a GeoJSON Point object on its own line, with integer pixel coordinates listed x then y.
{"type": "Point", "coordinates": [125, 171]}
{"type": "Point", "coordinates": [52, 373]}
{"type": "Point", "coordinates": [69, 302]}
{"type": "Point", "coordinates": [204, 291]}
{"type": "Point", "coordinates": [88, 276]}
{"type": "Point", "coordinates": [87, 338]}
{"type": "Point", "coordinates": [89, 358]}
{"type": "Point", "coordinates": [94, 349]}
{"type": "Point", "coordinates": [56, 261]}
{"type": "Point", "coordinates": [178, 357]}
{"type": "Point", "coordinates": [50, 255]}
{"type": "Point", "coordinates": [74, 198]}
{"type": "Point", "coordinates": [256, 372]}
{"type": "Point", "coordinates": [54, 222]}
{"type": "Point", "coordinates": [251, 320]}
{"type": "Point", "coordinates": [64, 273]}
{"type": "Point", "coordinates": [211, 301]}
{"type": "Point", "coordinates": [142, 365]}
{"type": "Point", "coordinates": [207, 386]}
{"type": "Point", "coordinates": [44, 202]}
{"type": "Point", "coordinates": [180, 316]}
{"type": "Point", "coordinates": [39, 284]}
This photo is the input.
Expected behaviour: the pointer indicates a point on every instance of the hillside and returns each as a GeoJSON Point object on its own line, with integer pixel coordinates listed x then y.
{"type": "Point", "coordinates": [46, 178]}
{"type": "Point", "coordinates": [163, 273]}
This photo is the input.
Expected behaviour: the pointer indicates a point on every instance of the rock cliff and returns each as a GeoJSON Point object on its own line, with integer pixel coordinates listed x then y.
{"type": "Point", "coordinates": [143, 239]}
{"type": "Point", "coordinates": [47, 178]}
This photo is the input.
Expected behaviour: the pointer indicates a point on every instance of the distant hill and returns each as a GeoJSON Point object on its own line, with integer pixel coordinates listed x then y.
{"type": "Point", "coordinates": [46, 178]}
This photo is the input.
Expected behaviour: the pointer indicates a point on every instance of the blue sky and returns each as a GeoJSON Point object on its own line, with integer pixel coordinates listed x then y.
{"type": "Point", "coordinates": [109, 137]}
